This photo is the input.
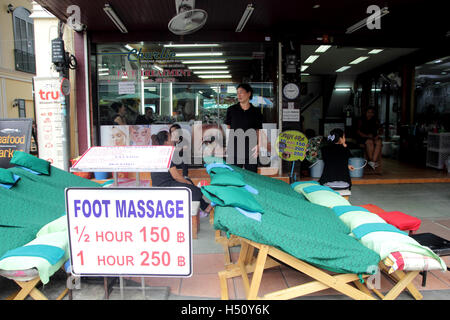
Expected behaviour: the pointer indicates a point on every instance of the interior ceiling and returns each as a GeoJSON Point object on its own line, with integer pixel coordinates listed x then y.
{"type": "Point", "coordinates": [410, 25]}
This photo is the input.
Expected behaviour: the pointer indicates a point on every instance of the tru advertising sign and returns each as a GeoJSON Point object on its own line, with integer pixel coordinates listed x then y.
{"type": "Point", "coordinates": [52, 133]}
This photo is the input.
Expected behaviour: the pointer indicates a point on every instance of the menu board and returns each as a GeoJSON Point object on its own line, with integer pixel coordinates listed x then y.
{"type": "Point", "coordinates": [15, 134]}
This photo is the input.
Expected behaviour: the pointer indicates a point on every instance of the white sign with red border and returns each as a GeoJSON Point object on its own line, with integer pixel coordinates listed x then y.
{"type": "Point", "coordinates": [125, 159]}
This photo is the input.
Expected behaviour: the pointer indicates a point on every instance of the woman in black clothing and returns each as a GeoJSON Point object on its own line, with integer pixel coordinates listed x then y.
{"type": "Point", "coordinates": [335, 156]}
{"type": "Point", "coordinates": [243, 115]}
{"type": "Point", "coordinates": [173, 178]}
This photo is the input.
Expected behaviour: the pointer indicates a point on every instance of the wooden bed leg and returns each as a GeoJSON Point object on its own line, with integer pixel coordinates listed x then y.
{"type": "Point", "coordinates": [257, 274]}
{"type": "Point", "coordinates": [28, 288]}
{"type": "Point", "coordinates": [399, 277]}
{"type": "Point", "coordinates": [223, 285]}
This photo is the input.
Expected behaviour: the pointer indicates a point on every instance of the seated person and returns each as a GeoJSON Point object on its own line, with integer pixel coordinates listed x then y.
{"type": "Point", "coordinates": [367, 134]}
{"type": "Point", "coordinates": [335, 156]}
{"type": "Point", "coordinates": [177, 138]}
{"type": "Point", "coordinates": [146, 118]}
{"type": "Point", "coordinates": [173, 178]}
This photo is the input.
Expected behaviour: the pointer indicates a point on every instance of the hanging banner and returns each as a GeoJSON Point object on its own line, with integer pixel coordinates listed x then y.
{"type": "Point", "coordinates": [50, 121]}
{"type": "Point", "coordinates": [15, 134]}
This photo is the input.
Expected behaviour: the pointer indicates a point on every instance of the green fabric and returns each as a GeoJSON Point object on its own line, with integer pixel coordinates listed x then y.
{"type": "Point", "coordinates": [45, 268]}
{"type": "Point", "coordinates": [232, 197]}
{"type": "Point", "coordinates": [57, 225]}
{"type": "Point", "coordinates": [326, 198]}
{"type": "Point", "coordinates": [6, 176]}
{"type": "Point", "coordinates": [227, 179]}
{"type": "Point", "coordinates": [309, 232]}
{"type": "Point", "coordinates": [33, 202]}
{"type": "Point", "coordinates": [50, 253]}
{"type": "Point", "coordinates": [26, 160]}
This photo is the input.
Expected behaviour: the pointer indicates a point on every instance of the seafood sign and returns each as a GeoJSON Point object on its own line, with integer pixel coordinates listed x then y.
{"type": "Point", "coordinates": [15, 134]}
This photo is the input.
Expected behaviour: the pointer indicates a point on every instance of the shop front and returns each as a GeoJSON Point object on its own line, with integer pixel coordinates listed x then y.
{"type": "Point", "coordinates": [142, 88]}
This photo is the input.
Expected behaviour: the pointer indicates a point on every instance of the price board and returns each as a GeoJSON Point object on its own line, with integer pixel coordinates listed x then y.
{"type": "Point", "coordinates": [130, 231]}
{"type": "Point", "coordinates": [291, 145]}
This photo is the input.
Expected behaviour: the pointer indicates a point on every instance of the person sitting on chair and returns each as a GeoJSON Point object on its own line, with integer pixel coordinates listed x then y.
{"type": "Point", "coordinates": [173, 178]}
{"type": "Point", "coordinates": [367, 132]}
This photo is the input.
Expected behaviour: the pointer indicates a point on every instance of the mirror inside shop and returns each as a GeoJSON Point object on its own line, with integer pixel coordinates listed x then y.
{"type": "Point", "coordinates": [143, 88]}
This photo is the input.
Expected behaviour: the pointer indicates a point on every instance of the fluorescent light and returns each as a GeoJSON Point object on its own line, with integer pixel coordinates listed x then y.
{"type": "Point", "coordinates": [212, 72]}
{"type": "Point", "coordinates": [358, 60]}
{"type": "Point", "coordinates": [207, 67]}
{"type": "Point", "coordinates": [245, 16]}
{"type": "Point", "coordinates": [323, 48]}
{"type": "Point", "coordinates": [103, 74]}
{"type": "Point", "coordinates": [311, 58]}
{"type": "Point", "coordinates": [342, 69]}
{"type": "Point", "coordinates": [114, 18]}
{"type": "Point", "coordinates": [342, 89]}
{"type": "Point", "coordinates": [303, 68]}
{"type": "Point", "coordinates": [198, 54]}
{"type": "Point", "coordinates": [155, 66]}
{"type": "Point", "coordinates": [128, 47]}
{"type": "Point", "coordinates": [192, 45]}
{"type": "Point", "coordinates": [375, 51]}
{"type": "Point", "coordinates": [202, 61]}
{"type": "Point", "coordinates": [103, 69]}
{"type": "Point", "coordinates": [304, 74]}
{"type": "Point", "coordinates": [224, 76]}
{"type": "Point", "coordinates": [384, 11]}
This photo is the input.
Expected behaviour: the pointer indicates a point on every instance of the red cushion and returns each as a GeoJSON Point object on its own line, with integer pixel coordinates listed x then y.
{"type": "Point", "coordinates": [401, 220]}
{"type": "Point", "coordinates": [398, 219]}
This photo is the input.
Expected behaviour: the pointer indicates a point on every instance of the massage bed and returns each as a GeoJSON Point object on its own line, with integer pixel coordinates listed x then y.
{"type": "Point", "coordinates": [312, 229]}
{"type": "Point", "coordinates": [33, 226]}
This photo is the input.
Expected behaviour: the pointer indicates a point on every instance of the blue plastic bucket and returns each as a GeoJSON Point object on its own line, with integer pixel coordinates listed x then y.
{"type": "Point", "coordinates": [358, 164]}
{"type": "Point", "coordinates": [316, 169]}
{"type": "Point", "coordinates": [101, 175]}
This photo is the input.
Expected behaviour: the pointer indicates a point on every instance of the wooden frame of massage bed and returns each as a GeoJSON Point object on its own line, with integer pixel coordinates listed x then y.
{"type": "Point", "coordinates": [28, 288]}
{"type": "Point", "coordinates": [265, 259]}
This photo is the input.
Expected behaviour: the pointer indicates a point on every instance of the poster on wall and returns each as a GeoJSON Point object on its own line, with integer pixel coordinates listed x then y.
{"type": "Point", "coordinates": [15, 134]}
{"type": "Point", "coordinates": [50, 120]}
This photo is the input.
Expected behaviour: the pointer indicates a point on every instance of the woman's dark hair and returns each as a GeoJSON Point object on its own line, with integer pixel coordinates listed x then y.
{"type": "Point", "coordinates": [175, 125]}
{"type": "Point", "coordinates": [160, 138]}
{"type": "Point", "coordinates": [247, 88]}
{"type": "Point", "coordinates": [116, 106]}
{"type": "Point", "coordinates": [335, 135]}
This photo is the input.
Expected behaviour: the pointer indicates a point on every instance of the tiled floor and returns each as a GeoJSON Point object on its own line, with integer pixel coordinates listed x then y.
{"type": "Point", "coordinates": [205, 282]}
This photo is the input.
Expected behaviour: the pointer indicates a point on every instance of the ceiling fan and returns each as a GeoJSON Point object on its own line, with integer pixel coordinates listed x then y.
{"type": "Point", "coordinates": [188, 19]}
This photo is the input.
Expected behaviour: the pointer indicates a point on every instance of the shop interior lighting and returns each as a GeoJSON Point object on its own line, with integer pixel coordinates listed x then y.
{"type": "Point", "coordinates": [363, 23]}
{"type": "Point", "coordinates": [323, 48]}
{"type": "Point", "coordinates": [198, 54]}
{"type": "Point", "coordinates": [245, 17]}
{"type": "Point", "coordinates": [342, 69]}
{"type": "Point", "coordinates": [202, 61]}
{"type": "Point", "coordinates": [207, 67]}
{"type": "Point", "coordinates": [375, 51]}
{"type": "Point", "coordinates": [342, 89]}
{"type": "Point", "coordinates": [223, 76]}
{"type": "Point", "coordinates": [114, 18]}
{"type": "Point", "coordinates": [212, 72]}
{"type": "Point", "coordinates": [311, 58]}
{"type": "Point", "coordinates": [358, 60]}
{"type": "Point", "coordinates": [303, 68]}
{"type": "Point", "coordinates": [192, 45]}
{"type": "Point", "coordinates": [304, 74]}
{"type": "Point", "coordinates": [128, 47]}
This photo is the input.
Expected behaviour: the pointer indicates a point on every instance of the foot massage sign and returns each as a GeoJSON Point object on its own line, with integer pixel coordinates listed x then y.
{"type": "Point", "coordinates": [127, 231]}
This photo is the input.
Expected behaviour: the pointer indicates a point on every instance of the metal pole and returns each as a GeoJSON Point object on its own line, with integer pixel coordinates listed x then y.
{"type": "Point", "coordinates": [280, 95]}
